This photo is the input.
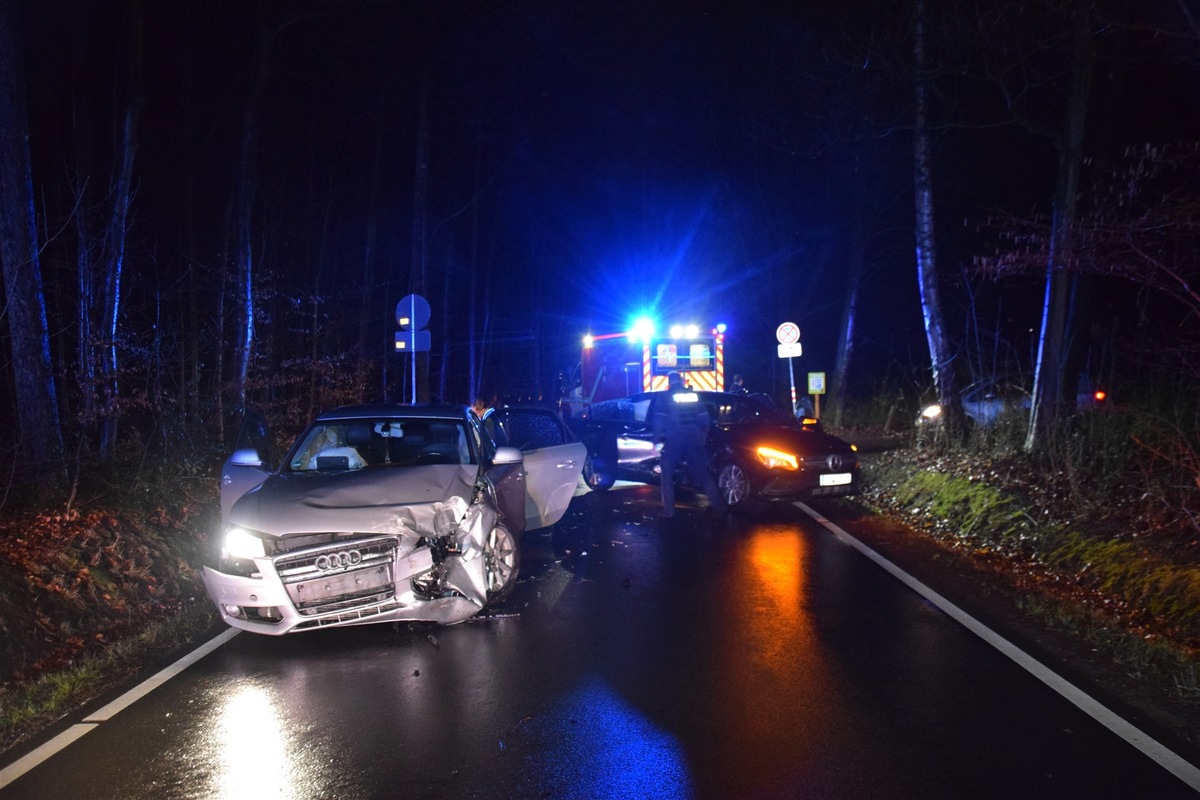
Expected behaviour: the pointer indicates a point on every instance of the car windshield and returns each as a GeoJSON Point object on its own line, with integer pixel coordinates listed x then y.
{"type": "Point", "coordinates": [358, 443]}
{"type": "Point", "coordinates": [736, 410]}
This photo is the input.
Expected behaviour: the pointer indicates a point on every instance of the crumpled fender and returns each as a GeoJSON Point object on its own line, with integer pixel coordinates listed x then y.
{"type": "Point", "coordinates": [465, 572]}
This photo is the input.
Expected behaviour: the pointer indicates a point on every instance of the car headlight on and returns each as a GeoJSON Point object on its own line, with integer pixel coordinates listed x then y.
{"type": "Point", "coordinates": [777, 459]}
{"type": "Point", "coordinates": [241, 543]}
{"type": "Point", "coordinates": [930, 413]}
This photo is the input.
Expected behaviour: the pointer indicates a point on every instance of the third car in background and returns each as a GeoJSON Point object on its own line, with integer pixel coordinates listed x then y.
{"type": "Point", "coordinates": [984, 403]}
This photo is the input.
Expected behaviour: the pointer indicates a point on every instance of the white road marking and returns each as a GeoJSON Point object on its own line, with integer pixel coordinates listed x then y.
{"type": "Point", "coordinates": [92, 721]}
{"type": "Point", "coordinates": [1178, 766]}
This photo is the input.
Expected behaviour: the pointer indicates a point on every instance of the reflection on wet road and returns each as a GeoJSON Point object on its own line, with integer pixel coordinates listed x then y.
{"type": "Point", "coordinates": [702, 657]}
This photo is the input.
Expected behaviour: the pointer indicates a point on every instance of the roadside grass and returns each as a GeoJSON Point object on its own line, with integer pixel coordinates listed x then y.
{"type": "Point", "coordinates": [95, 591]}
{"type": "Point", "coordinates": [1107, 578]}
{"type": "Point", "coordinates": [969, 510]}
{"type": "Point", "coordinates": [26, 708]}
{"type": "Point", "coordinates": [1143, 656]}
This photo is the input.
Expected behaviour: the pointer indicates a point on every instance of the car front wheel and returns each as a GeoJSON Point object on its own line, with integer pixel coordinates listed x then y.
{"type": "Point", "coordinates": [597, 475]}
{"type": "Point", "coordinates": [501, 564]}
{"type": "Point", "coordinates": [734, 483]}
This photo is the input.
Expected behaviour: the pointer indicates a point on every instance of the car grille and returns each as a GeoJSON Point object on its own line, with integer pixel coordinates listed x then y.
{"type": "Point", "coordinates": [340, 577]}
{"type": "Point", "coordinates": [833, 462]}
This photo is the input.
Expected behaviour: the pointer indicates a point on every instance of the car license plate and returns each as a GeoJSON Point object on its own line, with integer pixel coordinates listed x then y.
{"type": "Point", "coordinates": [836, 479]}
{"type": "Point", "coordinates": [330, 586]}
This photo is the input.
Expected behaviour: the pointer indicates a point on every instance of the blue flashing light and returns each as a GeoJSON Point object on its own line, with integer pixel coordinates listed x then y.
{"type": "Point", "coordinates": [720, 327]}
{"type": "Point", "coordinates": [642, 330]}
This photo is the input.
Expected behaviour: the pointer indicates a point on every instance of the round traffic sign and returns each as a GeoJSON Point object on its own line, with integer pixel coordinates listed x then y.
{"type": "Point", "coordinates": [788, 333]}
{"type": "Point", "coordinates": [412, 313]}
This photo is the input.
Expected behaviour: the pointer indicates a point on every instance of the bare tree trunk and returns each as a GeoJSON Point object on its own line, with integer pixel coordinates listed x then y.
{"type": "Point", "coordinates": [85, 346]}
{"type": "Point", "coordinates": [367, 302]}
{"type": "Point", "coordinates": [420, 242]}
{"type": "Point", "coordinates": [117, 229]}
{"type": "Point", "coordinates": [845, 348]}
{"type": "Point", "coordinates": [190, 369]}
{"type": "Point", "coordinates": [940, 354]}
{"type": "Point", "coordinates": [40, 437]}
{"type": "Point", "coordinates": [1048, 378]}
{"type": "Point", "coordinates": [243, 205]}
{"type": "Point", "coordinates": [474, 359]}
{"type": "Point", "coordinates": [867, 199]}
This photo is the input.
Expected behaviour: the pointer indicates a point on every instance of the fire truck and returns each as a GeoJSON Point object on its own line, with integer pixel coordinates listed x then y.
{"type": "Point", "coordinates": [620, 364]}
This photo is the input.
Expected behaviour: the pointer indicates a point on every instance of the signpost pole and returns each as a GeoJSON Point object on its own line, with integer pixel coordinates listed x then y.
{"type": "Point", "coordinates": [792, 379]}
{"type": "Point", "coordinates": [412, 312]}
{"type": "Point", "coordinates": [788, 336]}
{"type": "Point", "coordinates": [412, 315]}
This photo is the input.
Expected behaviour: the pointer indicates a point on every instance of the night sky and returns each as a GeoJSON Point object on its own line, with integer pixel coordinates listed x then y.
{"type": "Point", "coordinates": [588, 161]}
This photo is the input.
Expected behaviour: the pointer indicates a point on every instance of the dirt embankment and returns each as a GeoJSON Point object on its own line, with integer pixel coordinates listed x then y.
{"type": "Point", "coordinates": [1007, 548]}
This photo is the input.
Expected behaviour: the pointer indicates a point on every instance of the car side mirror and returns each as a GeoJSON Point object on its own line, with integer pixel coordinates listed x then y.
{"type": "Point", "coordinates": [508, 455]}
{"type": "Point", "coordinates": [246, 458]}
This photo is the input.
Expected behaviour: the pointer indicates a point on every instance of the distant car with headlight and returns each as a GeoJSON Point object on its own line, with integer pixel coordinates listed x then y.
{"type": "Point", "coordinates": [386, 512]}
{"type": "Point", "coordinates": [984, 403]}
{"type": "Point", "coordinates": [757, 451]}
{"type": "Point", "coordinates": [987, 401]}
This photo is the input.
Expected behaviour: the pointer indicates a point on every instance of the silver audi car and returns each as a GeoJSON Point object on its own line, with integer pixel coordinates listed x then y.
{"type": "Point", "coordinates": [386, 512]}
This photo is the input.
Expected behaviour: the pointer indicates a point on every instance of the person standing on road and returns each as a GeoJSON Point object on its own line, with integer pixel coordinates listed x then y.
{"type": "Point", "coordinates": [739, 385]}
{"type": "Point", "coordinates": [681, 425]}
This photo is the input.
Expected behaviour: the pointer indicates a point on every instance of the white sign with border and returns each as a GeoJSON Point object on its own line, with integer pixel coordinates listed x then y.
{"type": "Point", "coordinates": [793, 350]}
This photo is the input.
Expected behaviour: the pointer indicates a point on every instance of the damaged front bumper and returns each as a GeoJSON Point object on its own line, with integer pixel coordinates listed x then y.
{"type": "Point", "coordinates": [360, 581]}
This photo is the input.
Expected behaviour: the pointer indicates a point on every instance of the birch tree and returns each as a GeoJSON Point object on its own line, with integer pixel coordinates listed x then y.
{"type": "Point", "coordinates": [940, 352]}
{"type": "Point", "coordinates": [1051, 352]}
{"type": "Point", "coordinates": [116, 229]}
{"type": "Point", "coordinates": [1019, 53]}
{"type": "Point", "coordinates": [242, 204]}
{"type": "Point", "coordinates": [39, 437]}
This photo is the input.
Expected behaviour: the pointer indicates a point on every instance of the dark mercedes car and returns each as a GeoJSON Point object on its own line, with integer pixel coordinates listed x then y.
{"type": "Point", "coordinates": [757, 451]}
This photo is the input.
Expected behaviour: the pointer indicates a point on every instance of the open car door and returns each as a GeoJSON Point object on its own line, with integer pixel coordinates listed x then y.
{"type": "Point", "coordinates": [250, 463]}
{"type": "Point", "coordinates": [553, 461]}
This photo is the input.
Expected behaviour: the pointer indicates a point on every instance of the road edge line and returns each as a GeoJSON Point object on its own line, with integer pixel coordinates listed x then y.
{"type": "Point", "coordinates": [60, 742]}
{"type": "Point", "coordinates": [1168, 759]}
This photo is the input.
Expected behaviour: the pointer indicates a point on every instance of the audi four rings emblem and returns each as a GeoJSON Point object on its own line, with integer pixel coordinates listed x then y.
{"type": "Point", "coordinates": [340, 560]}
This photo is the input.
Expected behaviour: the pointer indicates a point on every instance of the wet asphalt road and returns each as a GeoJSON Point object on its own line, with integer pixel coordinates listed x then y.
{"type": "Point", "coordinates": [705, 658]}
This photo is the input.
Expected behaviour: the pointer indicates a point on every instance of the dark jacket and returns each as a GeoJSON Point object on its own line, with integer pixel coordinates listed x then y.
{"type": "Point", "coordinates": [679, 413]}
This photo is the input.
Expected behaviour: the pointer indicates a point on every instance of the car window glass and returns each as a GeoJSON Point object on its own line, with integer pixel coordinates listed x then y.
{"type": "Point", "coordinates": [606, 410]}
{"type": "Point", "coordinates": [730, 410]}
{"type": "Point", "coordinates": [254, 434]}
{"type": "Point", "coordinates": [640, 410]}
{"type": "Point", "coordinates": [528, 429]}
{"type": "Point", "coordinates": [355, 444]}
{"type": "Point", "coordinates": [487, 439]}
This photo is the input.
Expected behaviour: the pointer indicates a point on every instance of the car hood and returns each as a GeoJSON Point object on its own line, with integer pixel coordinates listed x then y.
{"type": "Point", "coordinates": [371, 500]}
{"type": "Point", "coordinates": [785, 437]}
